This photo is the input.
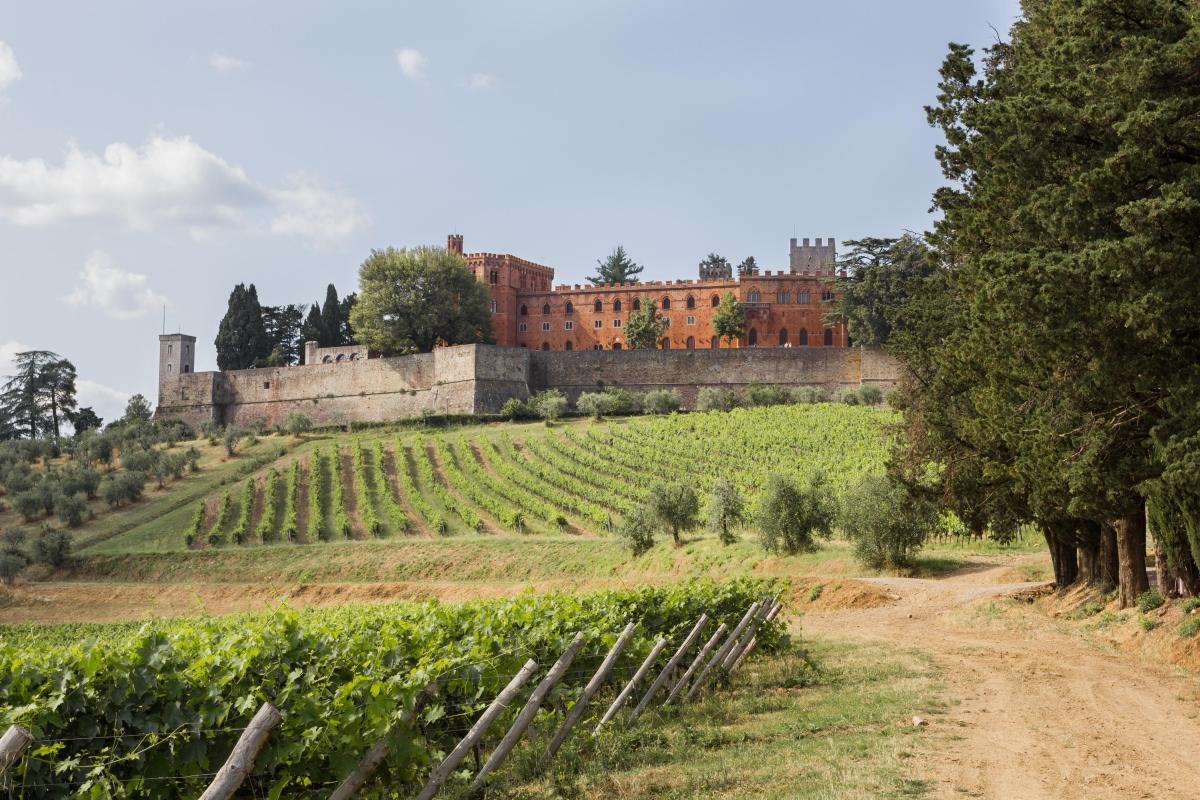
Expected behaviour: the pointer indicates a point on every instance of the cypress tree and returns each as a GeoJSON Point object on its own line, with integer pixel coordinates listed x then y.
{"type": "Point", "coordinates": [241, 337]}
{"type": "Point", "coordinates": [331, 318]}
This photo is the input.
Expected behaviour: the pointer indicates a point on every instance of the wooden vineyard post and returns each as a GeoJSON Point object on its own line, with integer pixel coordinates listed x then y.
{"type": "Point", "coordinates": [774, 612]}
{"type": "Point", "coordinates": [623, 697]}
{"type": "Point", "coordinates": [592, 687]}
{"type": "Point", "coordinates": [380, 750]}
{"type": "Point", "coordinates": [231, 775]}
{"type": "Point", "coordinates": [709, 668]}
{"type": "Point", "coordinates": [530, 710]}
{"type": "Point", "coordinates": [12, 745]}
{"type": "Point", "coordinates": [682, 683]}
{"type": "Point", "coordinates": [443, 770]}
{"type": "Point", "coordinates": [751, 631]}
{"type": "Point", "coordinates": [697, 629]}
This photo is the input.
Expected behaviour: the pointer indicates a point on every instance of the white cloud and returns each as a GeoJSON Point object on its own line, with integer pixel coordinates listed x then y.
{"type": "Point", "coordinates": [314, 213]}
{"type": "Point", "coordinates": [481, 81]}
{"type": "Point", "coordinates": [167, 182]}
{"type": "Point", "coordinates": [226, 64]}
{"type": "Point", "coordinates": [119, 294]}
{"type": "Point", "coordinates": [10, 70]}
{"type": "Point", "coordinates": [412, 63]}
{"type": "Point", "coordinates": [106, 401]}
{"type": "Point", "coordinates": [8, 353]}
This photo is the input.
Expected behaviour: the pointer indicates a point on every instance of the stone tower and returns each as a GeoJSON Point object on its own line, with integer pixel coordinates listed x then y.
{"type": "Point", "coordinates": [816, 258]}
{"type": "Point", "coordinates": [176, 356]}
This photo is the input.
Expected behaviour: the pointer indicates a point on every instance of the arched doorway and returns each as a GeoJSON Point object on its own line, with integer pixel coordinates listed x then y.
{"type": "Point", "coordinates": [783, 337]}
{"type": "Point", "coordinates": [829, 337]}
{"type": "Point", "coordinates": [752, 337]}
{"type": "Point", "coordinates": [691, 343]}
{"type": "Point", "coordinates": [803, 337]}
{"type": "Point", "coordinates": [666, 343]}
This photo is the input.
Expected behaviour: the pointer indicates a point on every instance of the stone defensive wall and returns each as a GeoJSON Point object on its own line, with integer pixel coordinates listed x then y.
{"type": "Point", "coordinates": [477, 379]}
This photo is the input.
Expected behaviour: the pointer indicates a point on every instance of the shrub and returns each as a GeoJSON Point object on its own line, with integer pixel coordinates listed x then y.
{"type": "Point", "coordinates": [661, 401]}
{"type": "Point", "coordinates": [595, 404]}
{"type": "Point", "coordinates": [814, 594]}
{"type": "Point", "coordinates": [790, 516]}
{"type": "Point", "coordinates": [296, 424]}
{"type": "Point", "coordinates": [710, 399]}
{"type": "Point", "coordinates": [53, 548]}
{"type": "Point", "coordinates": [1149, 600]}
{"type": "Point", "coordinates": [1149, 623]}
{"type": "Point", "coordinates": [1190, 627]}
{"type": "Point", "coordinates": [625, 402]}
{"type": "Point", "coordinates": [209, 430]}
{"type": "Point", "coordinates": [1191, 604]}
{"type": "Point", "coordinates": [849, 396]}
{"type": "Point", "coordinates": [11, 564]}
{"type": "Point", "coordinates": [726, 510]}
{"type": "Point", "coordinates": [70, 510]}
{"type": "Point", "coordinates": [809, 395]}
{"type": "Point", "coordinates": [884, 523]}
{"type": "Point", "coordinates": [637, 529]}
{"type": "Point", "coordinates": [870, 395]}
{"type": "Point", "coordinates": [549, 404]}
{"type": "Point", "coordinates": [515, 409]}
{"type": "Point", "coordinates": [676, 507]}
{"type": "Point", "coordinates": [757, 395]}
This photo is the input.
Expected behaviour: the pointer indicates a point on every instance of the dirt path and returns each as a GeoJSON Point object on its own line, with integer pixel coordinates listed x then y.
{"type": "Point", "coordinates": [1040, 713]}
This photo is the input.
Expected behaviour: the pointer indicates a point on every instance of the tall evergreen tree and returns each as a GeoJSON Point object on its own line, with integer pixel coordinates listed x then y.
{"type": "Point", "coordinates": [283, 326]}
{"type": "Point", "coordinates": [617, 268]}
{"type": "Point", "coordinates": [313, 329]}
{"type": "Point", "coordinates": [40, 395]}
{"type": "Point", "coordinates": [331, 318]}
{"type": "Point", "coordinates": [881, 274]}
{"type": "Point", "coordinates": [242, 338]}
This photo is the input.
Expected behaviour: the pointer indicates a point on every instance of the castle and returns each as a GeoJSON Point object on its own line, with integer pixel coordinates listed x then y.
{"type": "Point", "coordinates": [565, 337]}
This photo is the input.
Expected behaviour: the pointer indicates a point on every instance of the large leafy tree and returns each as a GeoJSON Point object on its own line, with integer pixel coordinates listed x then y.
{"type": "Point", "coordinates": [617, 268]}
{"type": "Point", "coordinates": [242, 339]}
{"type": "Point", "coordinates": [1067, 334]}
{"type": "Point", "coordinates": [881, 275]}
{"type": "Point", "coordinates": [645, 327]}
{"type": "Point", "coordinates": [729, 321]}
{"type": "Point", "coordinates": [40, 396]}
{"type": "Point", "coordinates": [411, 300]}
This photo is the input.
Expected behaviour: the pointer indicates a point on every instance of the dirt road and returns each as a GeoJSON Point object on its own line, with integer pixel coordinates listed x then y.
{"type": "Point", "coordinates": [1037, 711]}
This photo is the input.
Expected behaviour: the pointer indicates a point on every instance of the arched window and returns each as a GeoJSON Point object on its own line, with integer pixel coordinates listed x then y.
{"type": "Point", "coordinates": [666, 343]}
{"type": "Point", "coordinates": [716, 301]}
{"type": "Point", "coordinates": [524, 311]}
{"type": "Point", "coordinates": [597, 347]}
{"type": "Point", "coordinates": [545, 309]}
{"type": "Point", "coordinates": [597, 306]}
{"type": "Point", "coordinates": [570, 308]}
{"type": "Point", "coordinates": [691, 343]}
{"type": "Point", "coordinates": [803, 337]}
{"type": "Point", "coordinates": [170, 366]}
{"type": "Point", "coordinates": [493, 277]}
{"type": "Point", "coordinates": [616, 305]}
{"type": "Point", "coordinates": [691, 301]}
{"type": "Point", "coordinates": [493, 306]}
{"type": "Point", "coordinates": [752, 337]}
{"type": "Point", "coordinates": [637, 304]}
{"type": "Point", "coordinates": [754, 297]}
{"type": "Point", "coordinates": [783, 337]}
{"type": "Point", "coordinates": [569, 346]}
{"type": "Point", "coordinates": [327, 360]}
{"type": "Point", "coordinates": [616, 345]}
{"type": "Point", "coordinates": [666, 304]}
{"type": "Point", "coordinates": [545, 345]}
{"type": "Point", "coordinates": [829, 337]}
{"type": "Point", "coordinates": [186, 368]}
{"type": "Point", "coordinates": [715, 344]}
{"type": "Point", "coordinates": [341, 357]}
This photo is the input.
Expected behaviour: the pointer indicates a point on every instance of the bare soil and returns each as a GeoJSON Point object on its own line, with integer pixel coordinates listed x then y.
{"type": "Point", "coordinates": [1039, 710]}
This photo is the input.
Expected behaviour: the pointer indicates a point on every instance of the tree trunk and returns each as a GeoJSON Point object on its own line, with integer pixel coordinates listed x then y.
{"type": "Point", "coordinates": [1131, 549]}
{"type": "Point", "coordinates": [1062, 557]}
{"type": "Point", "coordinates": [1087, 558]}
{"type": "Point", "coordinates": [1109, 562]}
{"type": "Point", "coordinates": [1168, 583]}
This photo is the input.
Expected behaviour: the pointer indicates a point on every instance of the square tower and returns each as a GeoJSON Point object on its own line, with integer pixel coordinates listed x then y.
{"type": "Point", "coordinates": [176, 356]}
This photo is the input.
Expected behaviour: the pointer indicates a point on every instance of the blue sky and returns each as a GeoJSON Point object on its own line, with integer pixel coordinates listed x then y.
{"type": "Point", "coordinates": [158, 153]}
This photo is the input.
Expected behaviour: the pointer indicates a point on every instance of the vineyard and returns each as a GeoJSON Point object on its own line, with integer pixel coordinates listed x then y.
{"type": "Point", "coordinates": [579, 477]}
{"type": "Point", "coordinates": [151, 711]}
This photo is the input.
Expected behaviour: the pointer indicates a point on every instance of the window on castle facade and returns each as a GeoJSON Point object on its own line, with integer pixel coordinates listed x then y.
{"type": "Point", "coordinates": [617, 306]}
{"type": "Point", "coordinates": [569, 346]}
{"type": "Point", "coordinates": [493, 306]}
{"type": "Point", "coordinates": [637, 304]}
{"type": "Point", "coordinates": [666, 303]}
{"type": "Point", "coordinates": [570, 308]}
{"type": "Point", "coordinates": [569, 325]}
{"type": "Point", "coordinates": [691, 301]}
{"type": "Point", "coordinates": [754, 297]}
{"type": "Point", "coordinates": [783, 298]}
{"type": "Point", "coordinates": [827, 296]}
{"type": "Point", "coordinates": [803, 298]}
{"type": "Point", "coordinates": [170, 348]}
{"type": "Point", "coordinates": [829, 337]}
{"type": "Point", "coordinates": [522, 327]}
{"type": "Point", "coordinates": [691, 321]}
{"type": "Point", "coordinates": [598, 324]}
{"type": "Point", "coordinates": [616, 323]}
{"type": "Point", "coordinates": [545, 326]}
{"type": "Point", "coordinates": [524, 311]}
{"type": "Point", "coordinates": [716, 301]}
{"type": "Point", "coordinates": [545, 309]}
{"type": "Point", "coordinates": [597, 306]}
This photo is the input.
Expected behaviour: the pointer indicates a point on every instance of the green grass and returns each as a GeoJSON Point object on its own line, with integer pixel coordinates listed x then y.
{"type": "Point", "coordinates": [829, 722]}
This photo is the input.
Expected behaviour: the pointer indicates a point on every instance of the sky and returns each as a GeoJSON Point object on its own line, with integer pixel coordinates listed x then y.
{"type": "Point", "coordinates": [155, 154]}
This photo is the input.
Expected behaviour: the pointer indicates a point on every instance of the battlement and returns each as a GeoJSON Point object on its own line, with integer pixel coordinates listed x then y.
{"type": "Point", "coordinates": [815, 257]}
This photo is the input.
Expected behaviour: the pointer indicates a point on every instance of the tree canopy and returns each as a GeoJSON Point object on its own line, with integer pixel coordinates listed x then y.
{"type": "Point", "coordinates": [39, 397]}
{"type": "Point", "coordinates": [411, 300]}
{"type": "Point", "coordinates": [618, 267]}
{"type": "Point", "coordinates": [242, 340]}
{"type": "Point", "coordinates": [881, 274]}
{"type": "Point", "coordinates": [729, 321]}
{"type": "Point", "coordinates": [645, 327]}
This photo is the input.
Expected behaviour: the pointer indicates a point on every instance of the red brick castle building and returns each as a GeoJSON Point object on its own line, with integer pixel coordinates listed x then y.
{"type": "Point", "coordinates": [783, 308]}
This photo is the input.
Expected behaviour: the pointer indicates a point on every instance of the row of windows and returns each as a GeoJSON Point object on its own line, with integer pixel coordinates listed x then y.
{"type": "Point", "coordinates": [690, 343]}
{"type": "Point", "coordinates": [785, 298]}
{"type": "Point", "coordinates": [569, 325]}
{"type": "Point", "coordinates": [781, 298]}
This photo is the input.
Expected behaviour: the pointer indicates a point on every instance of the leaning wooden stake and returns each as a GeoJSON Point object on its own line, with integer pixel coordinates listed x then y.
{"type": "Point", "coordinates": [667, 671]}
{"type": "Point", "coordinates": [443, 770]}
{"type": "Point", "coordinates": [12, 745]}
{"type": "Point", "coordinates": [710, 668]}
{"type": "Point", "coordinates": [754, 639]}
{"type": "Point", "coordinates": [682, 683]}
{"type": "Point", "coordinates": [380, 750]}
{"type": "Point", "coordinates": [592, 687]}
{"type": "Point", "coordinates": [229, 778]}
{"type": "Point", "coordinates": [530, 710]}
{"type": "Point", "coordinates": [750, 633]}
{"type": "Point", "coordinates": [623, 697]}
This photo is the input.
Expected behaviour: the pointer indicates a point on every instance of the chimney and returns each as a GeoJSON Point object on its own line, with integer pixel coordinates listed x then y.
{"type": "Point", "coordinates": [454, 243]}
